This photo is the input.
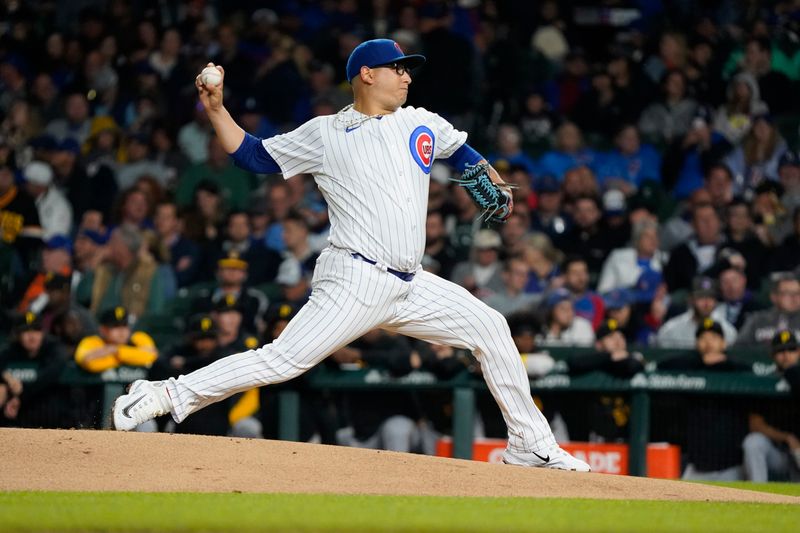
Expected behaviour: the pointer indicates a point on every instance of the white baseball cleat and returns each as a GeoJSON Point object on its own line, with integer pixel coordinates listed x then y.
{"type": "Point", "coordinates": [144, 401]}
{"type": "Point", "coordinates": [554, 457]}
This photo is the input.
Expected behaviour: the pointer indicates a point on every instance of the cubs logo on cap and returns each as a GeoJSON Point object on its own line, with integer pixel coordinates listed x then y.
{"type": "Point", "coordinates": [421, 143]}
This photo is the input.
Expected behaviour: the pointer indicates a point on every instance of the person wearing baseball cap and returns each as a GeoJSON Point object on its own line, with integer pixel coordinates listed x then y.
{"type": "Point", "coordinates": [354, 144]}
{"type": "Point", "coordinates": [611, 354]}
{"type": "Point", "coordinates": [702, 305]}
{"type": "Point", "coordinates": [55, 211]}
{"type": "Point", "coordinates": [772, 448]}
{"type": "Point", "coordinates": [198, 348]}
{"type": "Point", "coordinates": [116, 345]}
{"type": "Point", "coordinates": [381, 53]}
{"type": "Point", "coordinates": [228, 315]}
{"type": "Point", "coordinates": [56, 259]}
{"type": "Point", "coordinates": [710, 455]}
{"type": "Point", "coordinates": [39, 403]}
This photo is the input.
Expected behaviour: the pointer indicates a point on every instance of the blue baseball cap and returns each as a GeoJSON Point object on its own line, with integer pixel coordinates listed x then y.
{"type": "Point", "coordinates": [378, 52]}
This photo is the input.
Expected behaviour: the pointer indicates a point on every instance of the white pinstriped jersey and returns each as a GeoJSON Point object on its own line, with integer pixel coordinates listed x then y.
{"type": "Point", "coordinates": [373, 174]}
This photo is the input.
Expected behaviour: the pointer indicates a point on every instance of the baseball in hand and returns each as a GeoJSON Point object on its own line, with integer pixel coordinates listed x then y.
{"type": "Point", "coordinates": [210, 76]}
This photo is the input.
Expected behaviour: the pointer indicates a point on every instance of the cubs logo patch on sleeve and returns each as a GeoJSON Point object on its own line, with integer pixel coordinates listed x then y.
{"type": "Point", "coordinates": [421, 145]}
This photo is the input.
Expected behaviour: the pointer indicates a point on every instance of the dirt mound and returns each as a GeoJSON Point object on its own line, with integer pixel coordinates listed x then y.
{"type": "Point", "coordinates": [112, 461]}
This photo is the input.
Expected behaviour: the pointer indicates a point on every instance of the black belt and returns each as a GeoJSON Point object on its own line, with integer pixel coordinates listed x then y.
{"type": "Point", "coordinates": [405, 276]}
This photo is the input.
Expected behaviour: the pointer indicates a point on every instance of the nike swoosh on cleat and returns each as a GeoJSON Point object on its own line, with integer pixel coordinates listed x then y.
{"type": "Point", "coordinates": [545, 459]}
{"type": "Point", "coordinates": [139, 399]}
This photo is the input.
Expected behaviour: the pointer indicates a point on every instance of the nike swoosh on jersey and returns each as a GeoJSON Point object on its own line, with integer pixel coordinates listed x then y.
{"type": "Point", "coordinates": [126, 411]}
{"type": "Point", "coordinates": [348, 129]}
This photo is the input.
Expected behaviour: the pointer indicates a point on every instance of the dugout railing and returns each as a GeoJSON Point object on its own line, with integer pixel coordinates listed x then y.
{"type": "Point", "coordinates": [761, 382]}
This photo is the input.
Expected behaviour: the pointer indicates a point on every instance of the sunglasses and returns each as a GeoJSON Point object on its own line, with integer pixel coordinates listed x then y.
{"type": "Point", "coordinates": [399, 68]}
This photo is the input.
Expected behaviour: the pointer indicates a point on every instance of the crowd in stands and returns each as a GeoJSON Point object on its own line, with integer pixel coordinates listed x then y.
{"type": "Point", "coordinates": [654, 147]}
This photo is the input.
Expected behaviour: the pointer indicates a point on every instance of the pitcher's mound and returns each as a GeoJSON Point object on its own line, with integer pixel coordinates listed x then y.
{"type": "Point", "coordinates": [111, 461]}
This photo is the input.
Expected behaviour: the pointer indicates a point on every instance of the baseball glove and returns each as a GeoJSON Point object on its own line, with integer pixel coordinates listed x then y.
{"type": "Point", "coordinates": [494, 201]}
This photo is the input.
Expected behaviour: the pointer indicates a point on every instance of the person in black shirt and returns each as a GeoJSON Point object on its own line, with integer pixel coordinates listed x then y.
{"type": "Point", "coordinates": [38, 403]}
{"type": "Point", "coordinates": [772, 448]}
{"type": "Point", "coordinates": [712, 424]}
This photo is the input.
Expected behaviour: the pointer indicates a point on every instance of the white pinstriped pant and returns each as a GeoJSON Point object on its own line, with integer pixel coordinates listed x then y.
{"type": "Point", "coordinates": [350, 297]}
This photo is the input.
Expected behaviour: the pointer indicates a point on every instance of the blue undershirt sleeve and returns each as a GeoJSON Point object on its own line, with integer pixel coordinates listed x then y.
{"type": "Point", "coordinates": [465, 155]}
{"type": "Point", "coordinates": [251, 155]}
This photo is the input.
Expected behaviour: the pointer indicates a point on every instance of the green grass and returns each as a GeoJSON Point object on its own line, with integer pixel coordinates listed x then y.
{"type": "Point", "coordinates": [65, 511]}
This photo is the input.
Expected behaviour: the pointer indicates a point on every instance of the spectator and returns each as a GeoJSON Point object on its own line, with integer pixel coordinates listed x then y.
{"type": "Point", "coordinates": [513, 233]}
{"type": "Point", "coordinates": [482, 272]}
{"type": "Point", "coordinates": [204, 218]}
{"type": "Point", "coordinates": [736, 300]}
{"type": "Point", "coordinates": [56, 301]}
{"type": "Point", "coordinates": [787, 256]}
{"type": "Point", "coordinates": [562, 326]}
{"type": "Point", "coordinates": [509, 149]}
{"type": "Point", "coordinates": [774, 86]}
{"type": "Point", "coordinates": [600, 110]}
{"type": "Point", "coordinates": [718, 181]}
{"type": "Point", "coordinates": [56, 259]}
{"type": "Point", "coordinates": [549, 217]}
{"type": "Point", "coordinates": [569, 152]}
{"type": "Point", "coordinates": [671, 56]}
{"type": "Point", "coordinates": [670, 118]}
{"type": "Point", "coordinates": [129, 277]}
{"type": "Point", "coordinates": [543, 260]}
{"type": "Point", "coordinates": [588, 237]}
{"type": "Point", "coordinates": [232, 272]}
{"type": "Point", "coordinates": [76, 123]}
{"type": "Point", "coordinates": [91, 187]}
{"type": "Point", "coordinates": [280, 202]}
{"type": "Point", "coordinates": [194, 138]}
{"type": "Point", "coordinates": [116, 345]}
{"type": "Point", "coordinates": [735, 117]}
{"type": "Point", "coordinates": [512, 297]}
{"type": "Point", "coordinates": [524, 327]}
{"type": "Point", "coordinates": [623, 266]}
{"type": "Point", "coordinates": [741, 238]}
{"type": "Point", "coordinates": [232, 333]}
{"type": "Point", "coordinates": [588, 304]}
{"type": "Point", "coordinates": [711, 424]}
{"type": "Point", "coordinates": [19, 218]}
{"type": "Point", "coordinates": [630, 163]}
{"type": "Point", "coordinates": [41, 403]}
{"type": "Point", "coordinates": [89, 253]}
{"type": "Point", "coordinates": [760, 326]}
{"type": "Point", "coordinates": [133, 209]}
{"type": "Point", "coordinates": [140, 163]}
{"type": "Point", "coordinates": [182, 254]}
{"type": "Point", "coordinates": [698, 255]}
{"type": "Point", "coordinates": [198, 347]}
{"type": "Point", "coordinates": [234, 183]}
{"type": "Point", "coordinates": [772, 448]}
{"type": "Point", "coordinates": [789, 178]}
{"type": "Point", "coordinates": [757, 158]}
{"type": "Point", "coordinates": [702, 306]}
{"type": "Point", "coordinates": [772, 220]}
{"type": "Point", "coordinates": [611, 355]}
{"type": "Point", "coordinates": [295, 236]}
{"type": "Point", "coordinates": [439, 258]}
{"type": "Point", "coordinates": [686, 160]}
{"type": "Point", "coordinates": [263, 262]}
{"type": "Point", "coordinates": [537, 121]}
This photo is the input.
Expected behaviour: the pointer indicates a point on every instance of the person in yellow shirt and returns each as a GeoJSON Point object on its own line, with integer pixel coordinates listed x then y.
{"type": "Point", "coordinates": [116, 345]}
